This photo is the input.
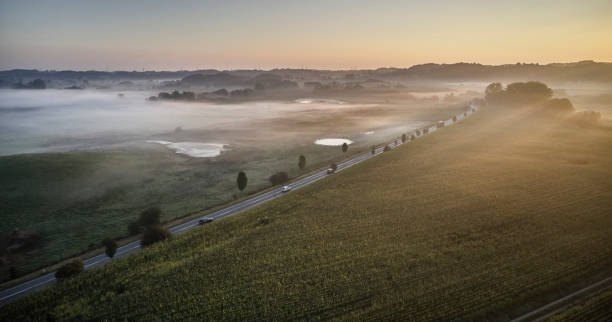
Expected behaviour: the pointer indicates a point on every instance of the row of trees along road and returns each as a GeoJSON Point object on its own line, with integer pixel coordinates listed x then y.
{"type": "Point", "coordinates": [279, 177]}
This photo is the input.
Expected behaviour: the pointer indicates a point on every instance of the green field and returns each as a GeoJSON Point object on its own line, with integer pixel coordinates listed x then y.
{"type": "Point", "coordinates": [470, 222]}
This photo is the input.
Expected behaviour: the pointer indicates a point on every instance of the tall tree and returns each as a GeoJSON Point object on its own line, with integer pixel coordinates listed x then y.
{"type": "Point", "coordinates": [344, 147]}
{"type": "Point", "coordinates": [302, 162]}
{"type": "Point", "coordinates": [404, 138]}
{"type": "Point", "coordinates": [111, 247]}
{"type": "Point", "coordinates": [242, 180]}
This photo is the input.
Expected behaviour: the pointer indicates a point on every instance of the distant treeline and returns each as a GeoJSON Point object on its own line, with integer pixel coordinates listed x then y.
{"type": "Point", "coordinates": [579, 71]}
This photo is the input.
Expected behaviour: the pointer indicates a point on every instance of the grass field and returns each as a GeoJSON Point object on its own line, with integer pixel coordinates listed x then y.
{"type": "Point", "coordinates": [468, 223]}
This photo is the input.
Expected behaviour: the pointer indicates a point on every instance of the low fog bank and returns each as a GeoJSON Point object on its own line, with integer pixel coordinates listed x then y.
{"type": "Point", "coordinates": [59, 120]}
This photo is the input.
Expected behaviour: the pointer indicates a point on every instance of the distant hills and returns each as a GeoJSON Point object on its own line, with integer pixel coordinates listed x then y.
{"type": "Point", "coordinates": [584, 71]}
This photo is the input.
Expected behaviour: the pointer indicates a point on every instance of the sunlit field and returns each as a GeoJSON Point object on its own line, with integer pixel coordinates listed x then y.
{"type": "Point", "coordinates": [483, 219]}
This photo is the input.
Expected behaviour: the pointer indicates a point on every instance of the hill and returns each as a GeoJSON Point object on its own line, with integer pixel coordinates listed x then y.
{"type": "Point", "coordinates": [482, 219]}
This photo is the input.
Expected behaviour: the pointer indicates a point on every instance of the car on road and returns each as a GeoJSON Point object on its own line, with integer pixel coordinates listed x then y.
{"type": "Point", "coordinates": [285, 189]}
{"type": "Point", "coordinates": [330, 171]}
{"type": "Point", "coordinates": [205, 221]}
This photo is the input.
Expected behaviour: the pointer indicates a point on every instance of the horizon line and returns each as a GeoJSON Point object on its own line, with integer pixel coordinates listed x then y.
{"type": "Point", "coordinates": [142, 70]}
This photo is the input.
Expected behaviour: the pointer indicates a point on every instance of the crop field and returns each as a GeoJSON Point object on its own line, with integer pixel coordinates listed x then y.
{"type": "Point", "coordinates": [597, 308]}
{"type": "Point", "coordinates": [468, 223]}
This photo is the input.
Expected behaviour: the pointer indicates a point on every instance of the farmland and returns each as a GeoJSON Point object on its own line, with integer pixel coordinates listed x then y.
{"type": "Point", "coordinates": [87, 184]}
{"type": "Point", "coordinates": [470, 222]}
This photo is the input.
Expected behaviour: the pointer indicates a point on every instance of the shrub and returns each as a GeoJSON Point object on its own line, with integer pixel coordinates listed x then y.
{"type": "Point", "coordinates": [344, 147]}
{"type": "Point", "coordinates": [373, 149]}
{"type": "Point", "coordinates": [279, 177]}
{"type": "Point", "coordinates": [454, 118]}
{"type": "Point", "coordinates": [154, 234]}
{"type": "Point", "coordinates": [302, 162]}
{"type": "Point", "coordinates": [387, 148]}
{"type": "Point", "coordinates": [412, 137]}
{"type": "Point", "coordinates": [110, 245]}
{"type": "Point", "coordinates": [418, 132]}
{"type": "Point", "coordinates": [404, 138]}
{"type": "Point", "coordinates": [70, 269]}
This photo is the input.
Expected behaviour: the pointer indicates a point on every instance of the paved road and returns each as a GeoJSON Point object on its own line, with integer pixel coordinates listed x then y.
{"type": "Point", "coordinates": [24, 288]}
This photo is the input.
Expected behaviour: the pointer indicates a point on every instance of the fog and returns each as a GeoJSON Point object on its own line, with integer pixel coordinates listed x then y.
{"type": "Point", "coordinates": [63, 120]}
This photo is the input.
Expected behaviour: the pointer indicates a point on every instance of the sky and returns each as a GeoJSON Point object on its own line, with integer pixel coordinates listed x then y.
{"type": "Point", "coordinates": [177, 35]}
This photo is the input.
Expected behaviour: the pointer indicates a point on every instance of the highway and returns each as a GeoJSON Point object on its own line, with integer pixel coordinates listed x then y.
{"type": "Point", "coordinates": [24, 288]}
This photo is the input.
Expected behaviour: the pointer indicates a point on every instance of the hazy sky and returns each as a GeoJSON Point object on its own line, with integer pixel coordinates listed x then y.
{"type": "Point", "coordinates": [132, 35]}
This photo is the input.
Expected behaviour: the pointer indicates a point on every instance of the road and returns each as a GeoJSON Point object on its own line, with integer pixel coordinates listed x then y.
{"type": "Point", "coordinates": [24, 288]}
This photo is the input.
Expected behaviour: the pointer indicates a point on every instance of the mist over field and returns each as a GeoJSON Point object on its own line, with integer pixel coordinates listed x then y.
{"type": "Point", "coordinates": [60, 120]}
{"type": "Point", "coordinates": [305, 160]}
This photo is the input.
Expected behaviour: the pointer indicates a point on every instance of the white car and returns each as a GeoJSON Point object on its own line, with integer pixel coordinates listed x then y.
{"type": "Point", "coordinates": [285, 189]}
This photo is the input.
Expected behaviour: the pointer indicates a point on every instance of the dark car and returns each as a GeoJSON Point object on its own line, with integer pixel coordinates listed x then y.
{"type": "Point", "coordinates": [205, 221]}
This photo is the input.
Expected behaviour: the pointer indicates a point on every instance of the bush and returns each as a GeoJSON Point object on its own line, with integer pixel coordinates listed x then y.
{"type": "Point", "coordinates": [454, 119]}
{"type": "Point", "coordinates": [404, 138]}
{"type": "Point", "coordinates": [373, 149]}
{"type": "Point", "coordinates": [412, 137]}
{"type": "Point", "coordinates": [302, 162]}
{"type": "Point", "coordinates": [279, 178]}
{"type": "Point", "coordinates": [387, 148]}
{"type": "Point", "coordinates": [418, 132]}
{"type": "Point", "coordinates": [110, 245]}
{"type": "Point", "coordinates": [70, 269]}
{"type": "Point", "coordinates": [344, 147]}
{"type": "Point", "coordinates": [154, 234]}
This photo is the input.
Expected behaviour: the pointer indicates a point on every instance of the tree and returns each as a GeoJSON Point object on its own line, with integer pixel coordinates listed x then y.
{"type": "Point", "coordinates": [404, 138]}
{"type": "Point", "coordinates": [373, 149]}
{"type": "Point", "coordinates": [302, 162]}
{"type": "Point", "coordinates": [418, 132]}
{"type": "Point", "coordinates": [454, 119]}
{"type": "Point", "coordinates": [387, 148]}
{"type": "Point", "coordinates": [110, 245]}
{"type": "Point", "coordinates": [154, 234]}
{"type": "Point", "coordinates": [344, 147]}
{"type": "Point", "coordinates": [412, 137]}
{"type": "Point", "coordinates": [70, 269]}
{"type": "Point", "coordinates": [241, 180]}
{"type": "Point", "coordinates": [333, 166]}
